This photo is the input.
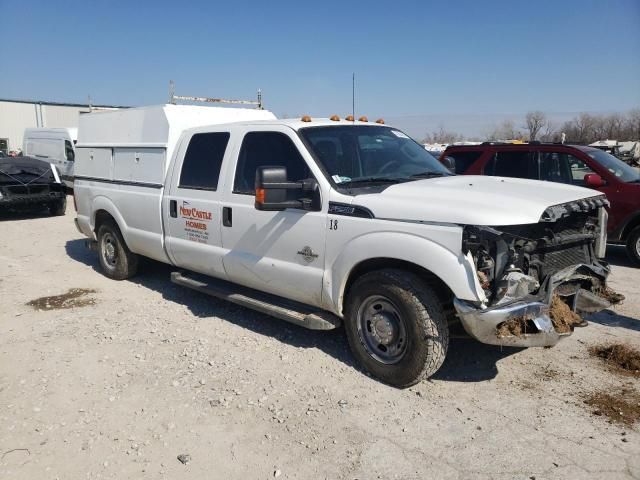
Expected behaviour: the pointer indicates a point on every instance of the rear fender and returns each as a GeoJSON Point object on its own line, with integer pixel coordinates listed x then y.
{"type": "Point", "coordinates": [103, 203]}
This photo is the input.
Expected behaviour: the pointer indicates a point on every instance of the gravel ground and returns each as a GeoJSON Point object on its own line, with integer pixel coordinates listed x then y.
{"type": "Point", "coordinates": [143, 371]}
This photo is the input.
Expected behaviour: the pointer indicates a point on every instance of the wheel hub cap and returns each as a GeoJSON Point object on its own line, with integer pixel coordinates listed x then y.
{"type": "Point", "coordinates": [383, 329]}
{"type": "Point", "coordinates": [109, 250]}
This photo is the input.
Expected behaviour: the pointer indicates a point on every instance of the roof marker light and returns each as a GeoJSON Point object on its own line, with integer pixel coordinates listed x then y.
{"type": "Point", "coordinates": [380, 121]}
{"type": "Point", "coordinates": [335, 118]}
{"type": "Point", "coordinates": [306, 118]}
{"type": "Point", "coordinates": [349, 118]}
{"type": "Point", "coordinates": [363, 119]}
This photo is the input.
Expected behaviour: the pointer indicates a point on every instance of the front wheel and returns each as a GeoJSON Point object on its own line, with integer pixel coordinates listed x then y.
{"type": "Point", "coordinates": [396, 327]}
{"type": "Point", "coordinates": [633, 246]}
{"type": "Point", "coordinates": [116, 260]}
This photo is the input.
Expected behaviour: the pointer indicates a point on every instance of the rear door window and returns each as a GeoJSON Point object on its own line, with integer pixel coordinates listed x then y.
{"type": "Point", "coordinates": [463, 160]}
{"type": "Point", "coordinates": [203, 160]}
{"type": "Point", "coordinates": [518, 164]}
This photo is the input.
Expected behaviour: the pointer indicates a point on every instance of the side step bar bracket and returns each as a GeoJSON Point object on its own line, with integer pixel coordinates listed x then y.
{"type": "Point", "coordinates": [278, 307]}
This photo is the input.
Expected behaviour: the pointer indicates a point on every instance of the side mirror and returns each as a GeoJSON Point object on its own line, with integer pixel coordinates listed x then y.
{"type": "Point", "coordinates": [450, 163]}
{"type": "Point", "coordinates": [274, 191]}
{"type": "Point", "coordinates": [593, 180]}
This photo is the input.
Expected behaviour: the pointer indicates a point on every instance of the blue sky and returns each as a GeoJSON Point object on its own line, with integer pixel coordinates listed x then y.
{"type": "Point", "coordinates": [464, 65]}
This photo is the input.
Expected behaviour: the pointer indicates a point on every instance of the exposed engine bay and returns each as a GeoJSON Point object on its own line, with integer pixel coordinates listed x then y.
{"type": "Point", "coordinates": [538, 278]}
{"type": "Point", "coordinates": [559, 254]}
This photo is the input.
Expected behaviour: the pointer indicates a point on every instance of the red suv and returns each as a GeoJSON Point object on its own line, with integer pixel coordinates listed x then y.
{"type": "Point", "coordinates": [572, 164]}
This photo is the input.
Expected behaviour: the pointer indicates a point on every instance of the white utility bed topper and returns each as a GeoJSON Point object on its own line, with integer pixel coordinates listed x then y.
{"type": "Point", "coordinates": [135, 144]}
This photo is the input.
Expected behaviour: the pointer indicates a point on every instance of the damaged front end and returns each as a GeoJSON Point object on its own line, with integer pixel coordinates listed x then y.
{"type": "Point", "coordinates": [538, 278]}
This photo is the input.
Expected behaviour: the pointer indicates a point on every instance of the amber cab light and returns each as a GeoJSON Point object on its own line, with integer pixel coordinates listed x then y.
{"type": "Point", "coordinates": [306, 118]}
{"type": "Point", "coordinates": [349, 118]}
{"type": "Point", "coordinates": [363, 119]}
{"type": "Point", "coordinates": [335, 118]}
{"type": "Point", "coordinates": [380, 121]}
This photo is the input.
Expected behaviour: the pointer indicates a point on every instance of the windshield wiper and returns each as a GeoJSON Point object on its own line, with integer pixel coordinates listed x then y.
{"type": "Point", "coordinates": [430, 174]}
{"type": "Point", "coordinates": [372, 179]}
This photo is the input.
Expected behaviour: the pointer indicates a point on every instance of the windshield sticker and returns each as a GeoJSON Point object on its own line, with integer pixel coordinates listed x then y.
{"type": "Point", "coordinates": [340, 179]}
{"type": "Point", "coordinates": [399, 134]}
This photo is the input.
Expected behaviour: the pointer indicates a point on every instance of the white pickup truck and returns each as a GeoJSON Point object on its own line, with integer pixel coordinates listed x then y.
{"type": "Point", "coordinates": [324, 222]}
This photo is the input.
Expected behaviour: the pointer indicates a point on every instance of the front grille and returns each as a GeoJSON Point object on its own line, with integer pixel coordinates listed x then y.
{"type": "Point", "coordinates": [559, 259]}
{"type": "Point", "coordinates": [21, 190]}
{"type": "Point", "coordinates": [544, 248]}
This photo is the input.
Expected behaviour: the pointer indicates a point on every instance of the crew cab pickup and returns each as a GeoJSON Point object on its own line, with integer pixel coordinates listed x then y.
{"type": "Point", "coordinates": [324, 222]}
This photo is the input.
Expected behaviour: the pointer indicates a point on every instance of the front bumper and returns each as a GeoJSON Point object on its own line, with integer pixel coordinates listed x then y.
{"type": "Point", "coordinates": [16, 201]}
{"type": "Point", "coordinates": [534, 311]}
{"type": "Point", "coordinates": [483, 324]}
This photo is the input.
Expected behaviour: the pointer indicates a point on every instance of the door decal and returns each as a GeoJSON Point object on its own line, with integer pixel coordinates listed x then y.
{"type": "Point", "coordinates": [196, 224]}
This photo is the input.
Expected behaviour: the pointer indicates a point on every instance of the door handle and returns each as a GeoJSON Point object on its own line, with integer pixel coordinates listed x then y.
{"type": "Point", "coordinates": [173, 208]}
{"type": "Point", "coordinates": [227, 216]}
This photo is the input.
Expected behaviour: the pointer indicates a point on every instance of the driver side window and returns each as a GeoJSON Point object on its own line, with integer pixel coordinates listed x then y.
{"type": "Point", "coordinates": [68, 151]}
{"type": "Point", "coordinates": [267, 149]}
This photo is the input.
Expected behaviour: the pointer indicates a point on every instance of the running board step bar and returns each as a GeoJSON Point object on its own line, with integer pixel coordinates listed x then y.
{"type": "Point", "coordinates": [275, 306]}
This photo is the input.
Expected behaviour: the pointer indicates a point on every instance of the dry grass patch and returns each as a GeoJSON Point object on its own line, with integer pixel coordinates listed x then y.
{"type": "Point", "coordinates": [622, 406]}
{"type": "Point", "coordinates": [621, 357]}
{"type": "Point", "coordinates": [562, 317]}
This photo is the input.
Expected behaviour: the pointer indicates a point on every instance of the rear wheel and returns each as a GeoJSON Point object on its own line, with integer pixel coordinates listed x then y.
{"type": "Point", "coordinates": [396, 327]}
{"type": "Point", "coordinates": [633, 246]}
{"type": "Point", "coordinates": [116, 260]}
{"type": "Point", "coordinates": [58, 207]}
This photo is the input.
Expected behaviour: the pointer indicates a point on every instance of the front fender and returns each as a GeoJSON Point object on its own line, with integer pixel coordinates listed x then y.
{"type": "Point", "coordinates": [454, 269]}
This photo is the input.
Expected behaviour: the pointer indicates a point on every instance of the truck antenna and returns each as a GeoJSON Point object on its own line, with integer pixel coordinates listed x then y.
{"type": "Point", "coordinates": [353, 96]}
{"type": "Point", "coordinates": [260, 106]}
{"type": "Point", "coordinates": [172, 92]}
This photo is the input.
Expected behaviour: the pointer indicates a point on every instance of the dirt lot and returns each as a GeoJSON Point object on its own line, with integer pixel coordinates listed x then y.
{"type": "Point", "coordinates": [117, 379]}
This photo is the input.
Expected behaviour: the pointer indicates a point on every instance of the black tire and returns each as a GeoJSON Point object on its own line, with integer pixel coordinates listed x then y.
{"type": "Point", "coordinates": [413, 307]}
{"type": "Point", "coordinates": [116, 260]}
{"type": "Point", "coordinates": [633, 246]}
{"type": "Point", "coordinates": [58, 207]}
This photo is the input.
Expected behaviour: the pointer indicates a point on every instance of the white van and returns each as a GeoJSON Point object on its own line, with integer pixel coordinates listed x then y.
{"type": "Point", "coordinates": [53, 145]}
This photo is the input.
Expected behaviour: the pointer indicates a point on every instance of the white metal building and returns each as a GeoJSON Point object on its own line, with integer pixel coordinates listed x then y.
{"type": "Point", "coordinates": [16, 115]}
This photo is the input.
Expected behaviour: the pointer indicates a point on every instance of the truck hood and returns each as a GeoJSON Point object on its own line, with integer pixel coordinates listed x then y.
{"type": "Point", "coordinates": [470, 200]}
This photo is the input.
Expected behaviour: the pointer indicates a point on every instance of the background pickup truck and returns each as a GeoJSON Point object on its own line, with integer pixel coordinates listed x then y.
{"type": "Point", "coordinates": [329, 222]}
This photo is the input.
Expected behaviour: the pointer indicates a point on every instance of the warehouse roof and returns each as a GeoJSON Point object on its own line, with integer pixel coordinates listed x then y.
{"type": "Point", "coordinates": [60, 104]}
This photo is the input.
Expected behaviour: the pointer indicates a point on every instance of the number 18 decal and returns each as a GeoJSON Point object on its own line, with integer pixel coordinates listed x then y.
{"type": "Point", "coordinates": [333, 224]}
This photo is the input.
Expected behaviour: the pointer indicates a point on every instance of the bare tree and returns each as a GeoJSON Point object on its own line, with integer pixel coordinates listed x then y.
{"type": "Point", "coordinates": [505, 131]}
{"type": "Point", "coordinates": [536, 121]}
{"type": "Point", "coordinates": [443, 136]}
{"type": "Point", "coordinates": [632, 125]}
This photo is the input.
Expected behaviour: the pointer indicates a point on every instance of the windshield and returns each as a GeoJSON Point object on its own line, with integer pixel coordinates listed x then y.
{"type": "Point", "coordinates": [353, 154]}
{"type": "Point", "coordinates": [617, 167]}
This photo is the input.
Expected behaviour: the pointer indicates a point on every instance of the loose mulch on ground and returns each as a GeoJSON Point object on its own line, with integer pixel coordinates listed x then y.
{"type": "Point", "coordinates": [74, 298]}
{"type": "Point", "coordinates": [620, 357]}
{"type": "Point", "coordinates": [621, 406]}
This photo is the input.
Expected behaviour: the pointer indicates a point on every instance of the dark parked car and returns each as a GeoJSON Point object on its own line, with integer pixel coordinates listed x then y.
{"type": "Point", "coordinates": [29, 183]}
{"type": "Point", "coordinates": [571, 164]}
